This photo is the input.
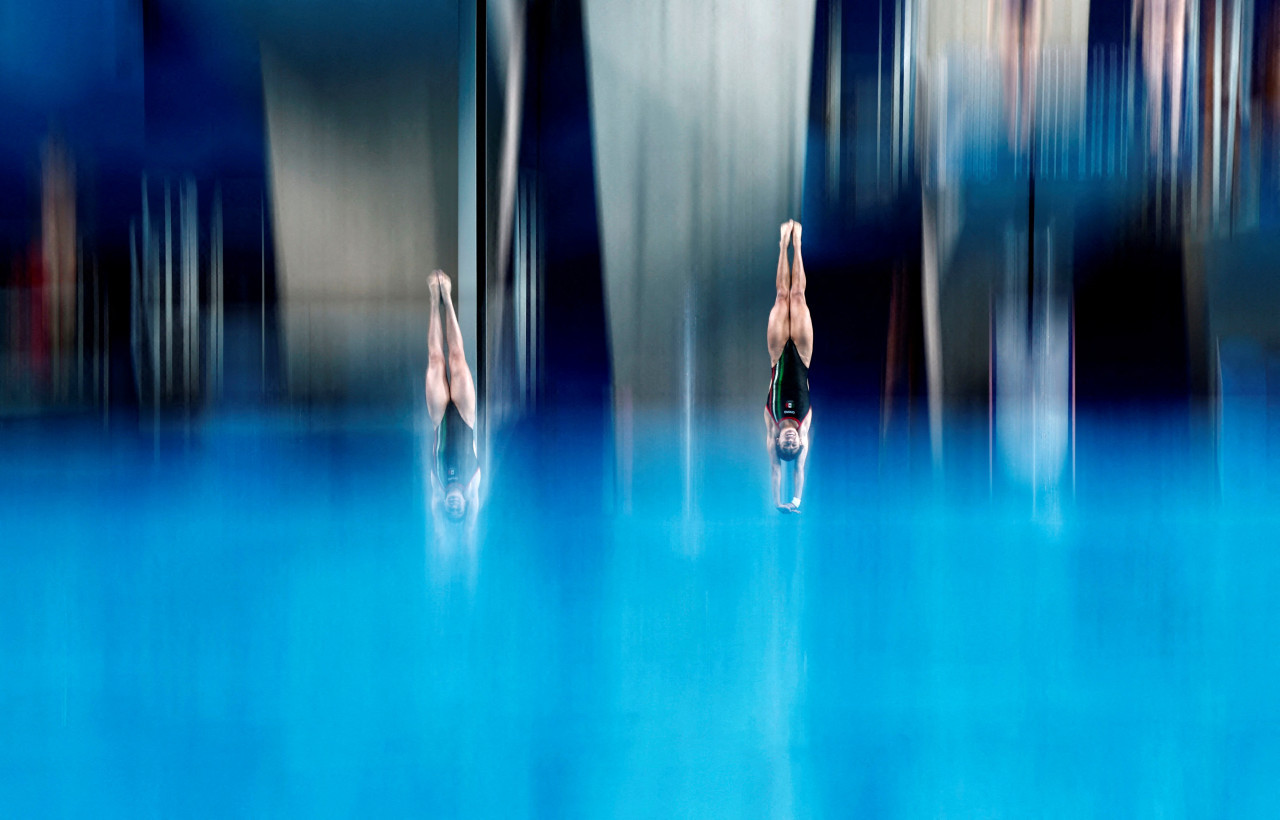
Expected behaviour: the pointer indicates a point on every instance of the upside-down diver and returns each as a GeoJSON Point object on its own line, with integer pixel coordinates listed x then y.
{"type": "Point", "coordinates": [787, 415]}
{"type": "Point", "coordinates": [451, 403]}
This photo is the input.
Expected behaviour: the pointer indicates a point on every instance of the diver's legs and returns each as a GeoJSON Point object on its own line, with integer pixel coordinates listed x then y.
{"type": "Point", "coordinates": [462, 389]}
{"type": "Point", "coordinates": [779, 317]}
{"type": "Point", "coordinates": [437, 384]}
{"type": "Point", "coordinates": [801, 321]}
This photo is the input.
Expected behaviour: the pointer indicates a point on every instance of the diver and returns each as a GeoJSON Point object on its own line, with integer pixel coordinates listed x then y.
{"type": "Point", "coordinates": [451, 403]}
{"type": "Point", "coordinates": [787, 415]}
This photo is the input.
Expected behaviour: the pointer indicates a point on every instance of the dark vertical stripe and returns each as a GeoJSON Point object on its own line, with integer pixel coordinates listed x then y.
{"type": "Point", "coordinates": [1031, 234]}
{"type": "Point", "coordinates": [482, 263]}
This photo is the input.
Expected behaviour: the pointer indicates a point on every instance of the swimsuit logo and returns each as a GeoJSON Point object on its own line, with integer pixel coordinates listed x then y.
{"type": "Point", "coordinates": [790, 405]}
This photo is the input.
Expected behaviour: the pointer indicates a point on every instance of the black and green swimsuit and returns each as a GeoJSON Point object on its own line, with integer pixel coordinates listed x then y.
{"type": "Point", "coordinates": [456, 461]}
{"type": "Point", "coordinates": [789, 390]}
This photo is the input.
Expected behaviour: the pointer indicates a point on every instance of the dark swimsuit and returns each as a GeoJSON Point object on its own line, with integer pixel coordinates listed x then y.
{"type": "Point", "coordinates": [789, 390]}
{"type": "Point", "coordinates": [455, 449]}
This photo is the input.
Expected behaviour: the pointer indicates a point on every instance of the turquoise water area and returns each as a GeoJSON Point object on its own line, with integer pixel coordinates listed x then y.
{"type": "Point", "coordinates": [256, 617]}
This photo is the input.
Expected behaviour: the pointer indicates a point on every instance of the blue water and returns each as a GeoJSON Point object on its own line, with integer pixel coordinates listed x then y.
{"type": "Point", "coordinates": [256, 617]}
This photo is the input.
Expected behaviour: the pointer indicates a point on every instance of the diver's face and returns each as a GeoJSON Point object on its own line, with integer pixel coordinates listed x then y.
{"type": "Point", "coordinates": [455, 504]}
{"type": "Point", "coordinates": [789, 441]}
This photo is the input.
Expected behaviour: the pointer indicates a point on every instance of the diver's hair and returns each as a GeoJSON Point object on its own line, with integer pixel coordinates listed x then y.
{"type": "Point", "coordinates": [466, 502]}
{"type": "Point", "coordinates": [784, 455]}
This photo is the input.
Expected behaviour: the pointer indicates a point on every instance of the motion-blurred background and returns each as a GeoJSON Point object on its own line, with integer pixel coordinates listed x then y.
{"type": "Point", "coordinates": [213, 203]}
{"type": "Point", "coordinates": [1017, 211]}
{"type": "Point", "coordinates": [1035, 571]}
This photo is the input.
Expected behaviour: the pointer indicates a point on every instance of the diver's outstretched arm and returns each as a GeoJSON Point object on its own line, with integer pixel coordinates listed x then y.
{"type": "Point", "coordinates": [799, 479]}
{"type": "Point", "coordinates": [775, 465]}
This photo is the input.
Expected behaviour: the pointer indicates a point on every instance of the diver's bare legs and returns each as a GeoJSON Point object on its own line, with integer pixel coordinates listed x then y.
{"type": "Point", "coordinates": [780, 317]}
{"type": "Point", "coordinates": [437, 383]}
{"type": "Point", "coordinates": [462, 389]}
{"type": "Point", "coordinates": [801, 321]}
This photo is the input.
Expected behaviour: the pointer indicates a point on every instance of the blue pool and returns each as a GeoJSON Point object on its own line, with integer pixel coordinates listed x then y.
{"type": "Point", "coordinates": [254, 616]}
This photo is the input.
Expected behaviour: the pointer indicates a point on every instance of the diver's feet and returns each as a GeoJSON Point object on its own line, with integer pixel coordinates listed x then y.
{"type": "Point", "coordinates": [795, 233]}
{"type": "Point", "coordinates": [446, 285]}
{"type": "Point", "coordinates": [786, 233]}
{"type": "Point", "coordinates": [433, 284]}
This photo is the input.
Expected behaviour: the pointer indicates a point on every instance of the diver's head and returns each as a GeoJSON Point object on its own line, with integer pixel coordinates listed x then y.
{"type": "Point", "coordinates": [455, 502]}
{"type": "Point", "coordinates": [788, 443]}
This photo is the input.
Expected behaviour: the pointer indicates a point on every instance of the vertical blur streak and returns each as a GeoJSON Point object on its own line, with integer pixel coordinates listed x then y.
{"type": "Point", "coordinates": [166, 295]}
{"type": "Point", "coordinates": [190, 289]}
{"type": "Point", "coordinates": [145, 301]}
{"type": "Point", "coordinates": [176, 322]}
{"type": "Point", "coordinates": [518, 297]}
{"type": "Point", "coordinates": [1217, 110]}
{"type": "Point", "coordinates": [879, 89]}
{"type": "Point", "coordinates": [687, 404]}
{"type": "Point", "coordinates": [216, 296]}
{"type": "Point", "coordinates": [699, 126]}
{"type": "Point", "coordinates": [58, 250]}
{"type": "Point", "coordinates": [510, 33]}
{"type": "Point", "coordinates": [506, 291]}
{"type": "Point", "coordinates": [533, 303]}
{"type": "Point", "coordinates": [102, 344]}
{"type": "Point", "coordinates": [834, 48]}
{"type": "Point", "coordinates": [1002, 142]}
{"type": "Point", "coordinates": [79, 328]}
{"type": "Point", "coordinates": [1033, 394]}
{"type": "Point", "coordinates": [1233, 106]}
{"type": "Point", "coordinates": [909, 36]}
{"type": "Point", "coordinates": [514, 84]}
{"type": "Point", "coordinates": [1194, 95]}
{"type": "Point", "coordinates": [897, 86]}
{"type": "Point", "coordinates": [932, 325]}
{"type": "Point", "coordinates": [262, 290]}
{"type": "Point", "coordinates": [524, 292]}
{"type": "Point", "coordinates": [469, 277]}
{"type": "Point", "coordinates": [135, 315]}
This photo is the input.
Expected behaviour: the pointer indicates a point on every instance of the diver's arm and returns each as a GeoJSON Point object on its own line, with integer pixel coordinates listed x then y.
{"type": "Point", "coordinates": [775, 465]}
{"type": "Point", "coordinates": [473, 497]}
{"type": "Point", "coordinates": [799, 478]}
{"type": "Point", "coordinates": [437, 493]}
